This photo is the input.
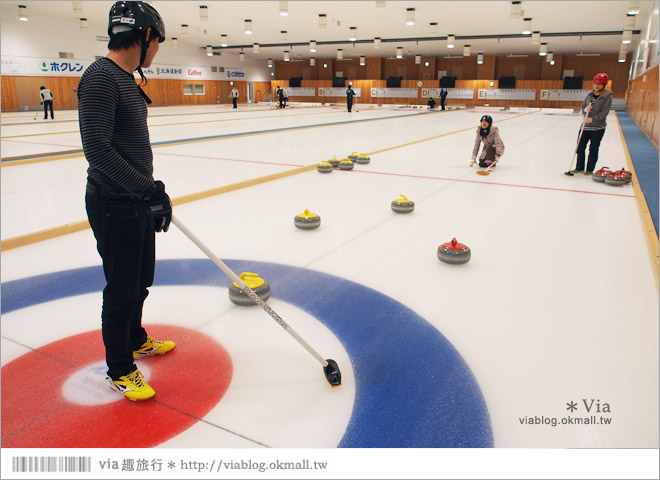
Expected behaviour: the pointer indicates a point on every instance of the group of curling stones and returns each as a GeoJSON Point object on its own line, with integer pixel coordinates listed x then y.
{"type": "Point", "coordinates": [614, 178]}
{"type": "Point", "coordinates": [451, 252]}
{"type": "Point", "coordinates": [328, 166]}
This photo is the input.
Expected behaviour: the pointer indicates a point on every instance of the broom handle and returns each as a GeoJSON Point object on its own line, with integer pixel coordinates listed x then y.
{"type": "Point", "coordinates": [247, 290]}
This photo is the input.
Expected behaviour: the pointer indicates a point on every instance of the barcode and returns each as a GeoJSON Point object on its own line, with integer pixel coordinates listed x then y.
{"type": "Point", "coordinates": [51, 464]}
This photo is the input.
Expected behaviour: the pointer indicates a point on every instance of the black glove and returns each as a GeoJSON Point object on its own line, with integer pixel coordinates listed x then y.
{"type": "Point", "coordinates": [158, 203]}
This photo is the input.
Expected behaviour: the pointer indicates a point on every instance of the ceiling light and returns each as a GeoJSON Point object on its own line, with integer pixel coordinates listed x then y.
{"type": "Point", "coordinates": [536, 37]}
{"type": "Point", "coordinates": [175, 42]}
{"type": "Point", "coordinates": [543, 49]}
{"type": "Point", "coordinates": [426, 64]}
{"type": "Point", "coordinates": [209, 50]}
{"type": "Point", "coordinates": [622, 56]}
{"type": "Point", "coordinates": [312, 61]}
{"type": "Point", "coordinates": [633, 8]}
{"type": "Point", "coordinates": [248, 27]}
{"type": "Point", "coordinates": [363, 61]}
{"type": "Point", "coordinates": [353, 36]}
{"type": "Point", "coordinates": [203, 12]}
{"type": "Point", "coordinates": [516, 9]}
{"type": "Point", "coordinates": [550, 57]}
{"type": "Point", "coordinates": [184, 29]}
{"type": "Point", "coordinates": [552, 62]}
{"type": "Point", "coordinates": [284, 8]}
{"type": "Point", "coordinates": [340, 54]}
{"type": "Point", "coordinates": [480, 58]}
{"type": "Point", "coordinates": [450, 41]}
{"type": "Point", "coordinates": [410, 16]}
{"type": "Point", "coordinates": [283, 35]}
{"type": "Point", "coordinates": [270, 63]}
{"type": "Point", "coordinates": [255, 48]}
{"type": "Point", "coordinates": [527, 26]}
{"type": "Point", "coordinates": [630, 22]}
{"type": "Point", "coordinates": [241, 57]}
{"type": "Point", "coordinates": [83, 24]}
{"type": "Point", "coordinates": [466, 50]}
{"type": "Point", "coordinates": [312, 46]}
{"type": "Point", "coordinates": [399, 52]}
{"type": "Point", "coordinates": [223, 40]}
{"type": "Point", "coordinates": [323, 20]}
{"type": "Point", "coordinates": [77, 7]}
{"type": "Point", "coordinates": [22, 13]}
{"type": "Point", "coordinates": [286, 55]}
{"type": "Point", "coordinates": [627, 36]}
{"type": "Point", "coordinates": [433, 28]}
{"type": "Point", "coordinates": [377, 42]}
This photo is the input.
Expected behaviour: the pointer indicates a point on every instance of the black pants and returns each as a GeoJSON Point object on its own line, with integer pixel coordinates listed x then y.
{"type": "Point", "coordinates": [488, 158]}
{"type": "Point", "coordinates": [48, 104]}
{"type": "Point", "coordinates": [442, 103]}
{"type": "Point", "coordinates": [125, 239]}
{"type": "Point", "coordinates": [349, 103]}
{"type": "Point", "coordinates": [235, 101]}
{"type": "Point", "coordinates": [593, 136]}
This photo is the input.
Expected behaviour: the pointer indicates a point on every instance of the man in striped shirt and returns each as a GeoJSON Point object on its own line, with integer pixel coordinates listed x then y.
{"type": "Point", "coordinates": [125, 206]}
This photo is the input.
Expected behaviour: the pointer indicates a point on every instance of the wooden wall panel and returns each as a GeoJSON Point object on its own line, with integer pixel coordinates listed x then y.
{"type": "Point", "coordinates": [588, 67]}
{"type": "Point", "coordinates": [8, 99]}
{"type": "Point", "coordinates": [642, 103]}
{"type": "Point", "coordinates": [487, 69]}
{"type": "Point", "coordinates": [261, 91]}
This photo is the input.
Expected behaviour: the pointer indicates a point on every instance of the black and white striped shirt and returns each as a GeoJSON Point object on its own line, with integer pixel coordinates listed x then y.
{"type": "Point", "coordinates": [113, 126]}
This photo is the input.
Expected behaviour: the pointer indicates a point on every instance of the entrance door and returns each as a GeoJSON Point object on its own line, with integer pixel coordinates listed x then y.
{"type": "Point", "coordinates": [27, 92]}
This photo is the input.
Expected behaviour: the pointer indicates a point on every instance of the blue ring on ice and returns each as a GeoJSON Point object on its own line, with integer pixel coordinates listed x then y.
{"type": "Point", "coordinates": [413, 388]}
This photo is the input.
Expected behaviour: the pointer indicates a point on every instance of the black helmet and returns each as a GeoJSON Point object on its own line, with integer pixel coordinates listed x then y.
{"type": "Point", "coordinates": [136, 16]}
{"type": "Point", "coordinates": [488, 118]}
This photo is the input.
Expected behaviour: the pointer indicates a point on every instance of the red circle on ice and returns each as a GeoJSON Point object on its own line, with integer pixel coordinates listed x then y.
{"type": "Point", "coordinates": [189, 381]}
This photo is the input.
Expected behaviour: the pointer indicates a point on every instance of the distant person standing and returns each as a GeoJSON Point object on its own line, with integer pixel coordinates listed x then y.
{"type": "Point", "coordinates": [443, 95]}
{"type": "Point", "coordinates": [47, 101]}
{"type": "Point", "coordinates": [234, 96]}
{"type": "Point", "coordinates": [280, 96]}
{"type": "Point", "coordinates": [350, 93]}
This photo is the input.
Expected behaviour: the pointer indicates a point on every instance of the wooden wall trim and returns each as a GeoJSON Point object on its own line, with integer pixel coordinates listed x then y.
{"type": "Point", "coordinates": [642, 103]}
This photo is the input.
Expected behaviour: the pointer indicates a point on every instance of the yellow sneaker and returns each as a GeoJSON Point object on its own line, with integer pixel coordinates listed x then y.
{"type": "Point", "coordinates": [133, 386]}
{"type": "Point", "coordinates": [153, 347]}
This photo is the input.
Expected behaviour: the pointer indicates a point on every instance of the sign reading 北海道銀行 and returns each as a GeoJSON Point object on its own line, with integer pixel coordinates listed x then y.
{"type": "Point", "coordinates": [235, 73]}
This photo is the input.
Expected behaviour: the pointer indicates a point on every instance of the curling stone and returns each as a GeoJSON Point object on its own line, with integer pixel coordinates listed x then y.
{"type": "Point", "coordinates": [616, 179]}
{"type": "Point", "coordinates": [454, 252]}
{"type": "Point", "coordinates": [307, 220]}
{"type": "Point", "coordinates": [325, 167]}
{"type": "Point", "coordinates": [353, 156]}
{"type": "Point", "coordinates": [403, 205]}
{"type": "Point", "coordinates": [599, 175]}
{"type": "Point", "coordinates": [363, 159]}
{"type": "Point", "coordinates": [252, 280]}
{"type": "Point", "coordinates": [334, 161]}
{"type": "Point", "coordinates": [626, 174]}
{"type": "Point", "coordinates": [346, 164]}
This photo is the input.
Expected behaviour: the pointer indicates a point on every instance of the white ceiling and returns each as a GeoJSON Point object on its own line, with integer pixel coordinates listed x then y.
{"type": "Point", "coordinates": [453, 17]}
